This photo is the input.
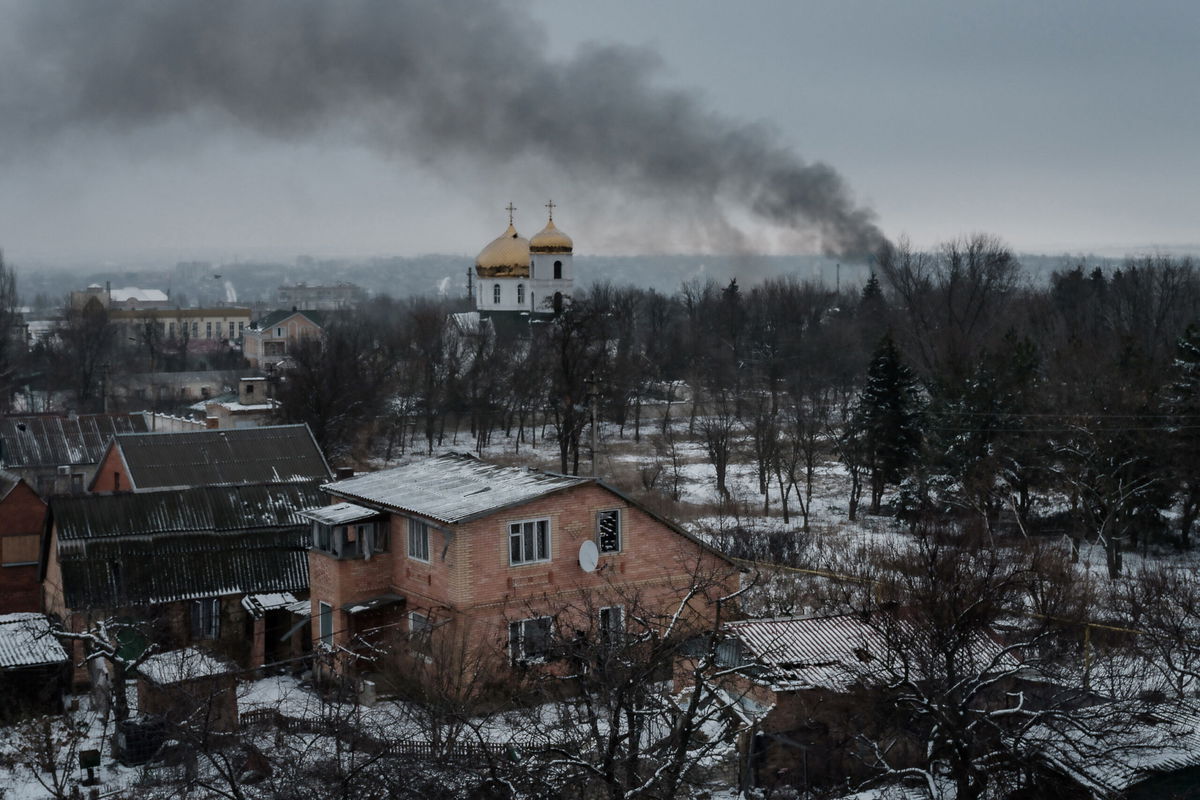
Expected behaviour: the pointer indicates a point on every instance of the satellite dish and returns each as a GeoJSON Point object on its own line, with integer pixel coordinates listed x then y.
{"type": "Point", "coordinates": [589, 556]}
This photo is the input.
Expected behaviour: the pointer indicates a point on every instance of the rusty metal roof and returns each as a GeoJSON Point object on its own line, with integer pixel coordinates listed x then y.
{"type": "Point", "coordinates": [60, 441]}
{"type": "Point", "coordinates": [276, 453]}
{"type": "Point", "coordinates": [154, 547]}
{"type": "Point", "coordinates": [25, 641]}
{"type": "Point", "coordinates": [452, 488]}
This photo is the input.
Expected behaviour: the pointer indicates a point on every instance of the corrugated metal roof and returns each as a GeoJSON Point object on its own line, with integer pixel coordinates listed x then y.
{"type": "Point", "coordinates": [339, 514]}
{"type": "Point", "coordinates": [116, 573]}
{"type": "Point", "coordinates": [157, 547]}
{"type": "Point", "coordinates": [8, 482]}
{"type": "Point", "coordinates": [59, 441]}
{"type": "Point", "coordinates": [26, 641]}
{"type": "Point", "coordinates": [213, 509]}
{"type": "Point", "coordinates": [1161, 739]}
{"type": "Point", "coordinates": [452, 488]}
{"type": "Point", "coordinates": [838, 652]}
{"type": "Point", "coordinates": [274, 453]}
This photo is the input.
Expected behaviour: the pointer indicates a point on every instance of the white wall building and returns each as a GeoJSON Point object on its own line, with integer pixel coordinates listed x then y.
{"type": "Point", "coordinates": [518, 275]}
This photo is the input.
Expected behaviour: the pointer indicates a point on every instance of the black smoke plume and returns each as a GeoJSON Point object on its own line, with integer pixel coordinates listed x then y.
{"type": "Point", "coordinates": [432, 79]}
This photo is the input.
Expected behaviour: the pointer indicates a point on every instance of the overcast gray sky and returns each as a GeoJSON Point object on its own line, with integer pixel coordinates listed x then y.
{"type": "Point", "coordinates": [207, 130]}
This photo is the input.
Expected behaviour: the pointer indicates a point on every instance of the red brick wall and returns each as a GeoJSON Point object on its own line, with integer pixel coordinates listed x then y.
{"type": "Point", "coordinates": [22, 513]}
{"type": "Point", "coordinates": [469, 575]}
{"type": "Point", "coordinates": [111, 475]}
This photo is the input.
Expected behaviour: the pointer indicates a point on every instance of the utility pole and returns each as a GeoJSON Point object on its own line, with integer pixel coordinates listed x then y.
{"type": "Point", "coordinates": [839, 278]}
{"type": "Point", "coordinates": [592, 395]}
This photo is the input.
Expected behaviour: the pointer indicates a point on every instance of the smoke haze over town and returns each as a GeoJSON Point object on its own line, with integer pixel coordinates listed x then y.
{"type": "Point", "coordinates": [150, 130]}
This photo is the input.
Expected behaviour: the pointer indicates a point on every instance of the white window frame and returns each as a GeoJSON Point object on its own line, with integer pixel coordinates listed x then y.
{"type": "Point", "coordinates": [617, 512]}
{"type": "Point", "coordinates": [517, 532]}
{"type": "Point", "coordinates": [516, 643]}
{"type": "Point", "coordinates": [418, 540]}
{"type": "Point", "coordinates": [206, 618]}
{"type": "Point", "coordinates": [324, 622]}
{"type": "Point", "coordinates": [520, 293]}
{"type": "Point", "coordinates": [609, 635]}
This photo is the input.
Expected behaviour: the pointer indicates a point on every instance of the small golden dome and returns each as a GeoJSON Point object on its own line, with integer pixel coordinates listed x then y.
{"type": "Point", "coordinates": [506, 257]}
{"type": "Point", "coordinates": [551, 240]}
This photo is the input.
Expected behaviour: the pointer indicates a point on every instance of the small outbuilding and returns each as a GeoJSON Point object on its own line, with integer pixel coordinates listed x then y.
{"type": "Point", "coordinates": [33, 666]}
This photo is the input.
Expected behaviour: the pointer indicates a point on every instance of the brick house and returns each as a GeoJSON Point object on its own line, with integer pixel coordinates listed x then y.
{"type": "Point", "coordinates": [154, 461]}
{"type": "Point", "coordinates": [223, 566]}
{"type": "Point", "coordinates": [273, 338]}
{"type": "Point", "coordinates": [485, 561]}
{"type": "Point", "coordinates": [22, 516]}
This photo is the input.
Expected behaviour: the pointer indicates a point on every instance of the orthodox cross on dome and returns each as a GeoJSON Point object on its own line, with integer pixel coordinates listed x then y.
{"type": "Point", "coordinates": [550, 205]}
{"type": "Point", "coordinates": [510, 208]}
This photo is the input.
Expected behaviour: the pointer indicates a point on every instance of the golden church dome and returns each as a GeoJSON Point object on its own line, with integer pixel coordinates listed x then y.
{"type": "Point", "coordinates": [551, 240]}
{"type": "Point", "coordinates": [506, 257]}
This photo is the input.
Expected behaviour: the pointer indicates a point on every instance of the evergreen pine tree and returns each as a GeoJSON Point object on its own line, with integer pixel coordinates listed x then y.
{"type": "Point", "coordinates": [1183, 406]}
{"type": "Point", "coordinates": [887, 419]}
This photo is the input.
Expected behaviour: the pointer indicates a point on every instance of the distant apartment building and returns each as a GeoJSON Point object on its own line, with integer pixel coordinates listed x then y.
{"type": "Point", "coordinates": [274, 337]}
{"type": "Point", "coordinates": [302, 297]}
{"type": "Point", "coordinates": [129, 298]}
{"type": "Point", "coordinates": [201, 326]}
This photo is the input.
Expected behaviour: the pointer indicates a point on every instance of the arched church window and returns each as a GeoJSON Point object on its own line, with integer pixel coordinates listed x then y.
{"type": "Point", "coordinates": [558, 302]}
{"type": "Point", "coordinates": [520, 293]}
{"type": "Point", "coordinates": [496, 293]}
{"type": "Point", "coordinates": [557, 270]}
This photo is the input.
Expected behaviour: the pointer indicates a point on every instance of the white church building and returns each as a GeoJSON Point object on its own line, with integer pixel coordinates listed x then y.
{"type": "Point", "coordinates": [524, 276]}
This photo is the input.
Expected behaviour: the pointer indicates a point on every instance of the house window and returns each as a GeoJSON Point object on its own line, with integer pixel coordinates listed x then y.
{"type": "Point", "coordinates": [520, 293]}
{"type": "Point", "coordinates": [419, 629]}
{"type": "Point", "coordinates": [608, 530]}
{"type": "Point", "coordinates": [418, 540]}
{"type": "Point", "coordinates": [231, 334]}
{"type": "Point", "coordinates": [208, 330]}
{"type": "Point", "coordinates": [19, 551]}
{"type": "Point", "coordinates": [171, 330]}
{"type": "Point", "coordinates": [529, 639]}
{"type": "Point", "coordinates": [279, 333]}
{"type": "Point", "coordinates": [195, 330]}
{"type": "Point", "coordinates": [612, 626]}
{"type": "Point", "coordinates": [496, 293]}
{"type": "Point", "coordinates": [418, 623]}
{"type": "Point", "coordinates": [77, 483]}
{"type": "Point", "coordinates": [346, 541]}
{"type": "Point", "coordinates": [375, 537]}
{"type": "Point", "coordinates": [322, 537]}
{"type": "Point", "coordinates": [206, 618]}
{"type": "Point", "coordinates": [241, 327]}
{"type": "Point", "coordinates": [529, 541]}
{"type": "Point", "coordinates": [326, 622]}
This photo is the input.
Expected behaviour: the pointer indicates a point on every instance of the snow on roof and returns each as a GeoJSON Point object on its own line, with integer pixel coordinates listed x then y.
{"type": "Point", "coordinates": [838, 652]}
{"type": "Point", "coordinates": [258, 604]}
{"type": "Point", "coordinates": [26, 641]}
{"type": "Point", "coordinates": [452, 488]}
{"type": "Point", "coordinates": [140, 295]}
{"type": "Point", "coordinates": [339, 514]}
{"type": "Point", "coordinates": [1163, 739]}
{"type": "Point", "coordinates": [177, 666]}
